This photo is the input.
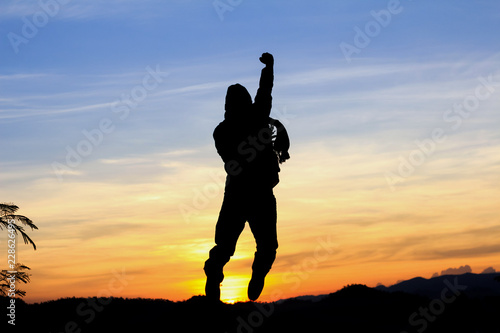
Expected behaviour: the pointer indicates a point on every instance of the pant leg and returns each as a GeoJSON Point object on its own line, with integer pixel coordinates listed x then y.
{"type": "Point", "coordinates": [229, 226]}
{"type": "Point", "coordinates": [263, 223]}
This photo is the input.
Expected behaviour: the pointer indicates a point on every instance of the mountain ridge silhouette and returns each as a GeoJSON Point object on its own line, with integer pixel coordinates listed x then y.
{"type": "Point", "coordinates": [477, 285]}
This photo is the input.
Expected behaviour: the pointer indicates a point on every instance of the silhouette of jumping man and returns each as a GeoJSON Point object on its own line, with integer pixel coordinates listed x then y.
{"type": "Point", "coordinates": [251, 145]}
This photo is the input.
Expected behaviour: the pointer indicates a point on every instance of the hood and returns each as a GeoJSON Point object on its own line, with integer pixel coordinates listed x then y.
{"type": "Point", "coordinates": [238, 100]}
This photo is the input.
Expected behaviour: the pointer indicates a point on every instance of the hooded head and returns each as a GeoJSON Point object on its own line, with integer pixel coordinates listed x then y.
{"type": "Point", "coordinates": [238, 100]}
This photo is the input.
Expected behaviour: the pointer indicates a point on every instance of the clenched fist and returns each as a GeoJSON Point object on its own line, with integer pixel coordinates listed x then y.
{"type": "Point", "coordinates": [267, 59]}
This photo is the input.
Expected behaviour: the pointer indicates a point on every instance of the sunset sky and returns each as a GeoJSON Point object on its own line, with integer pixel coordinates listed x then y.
{"type": "Point", "coordinates": [107, 110]}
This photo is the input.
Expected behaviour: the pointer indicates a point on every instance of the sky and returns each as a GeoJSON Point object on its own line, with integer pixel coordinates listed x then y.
{"type": "Point", "coordinates": [107, 110]}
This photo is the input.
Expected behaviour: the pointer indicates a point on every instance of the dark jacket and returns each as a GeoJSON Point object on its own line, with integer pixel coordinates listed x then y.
{"type": "Point", "coordinates": [244, 138]}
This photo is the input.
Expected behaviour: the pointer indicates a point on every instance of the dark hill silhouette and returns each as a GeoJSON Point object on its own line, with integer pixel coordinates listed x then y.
{"type": "Point", "coordinates": [355, 308]}
{"type": "Point", "coordinates": [476, 285]}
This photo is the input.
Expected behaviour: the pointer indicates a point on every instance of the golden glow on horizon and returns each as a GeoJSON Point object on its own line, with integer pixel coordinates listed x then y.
{"type": "Point", "coordinates": [234, 288]}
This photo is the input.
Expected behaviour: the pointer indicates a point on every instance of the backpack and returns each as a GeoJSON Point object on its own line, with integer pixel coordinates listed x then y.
{"type": "Point", "coordinates": [281, 142]}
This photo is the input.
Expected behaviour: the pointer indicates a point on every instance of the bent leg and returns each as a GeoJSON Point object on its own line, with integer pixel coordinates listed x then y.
{"type": "Point", "coordinates": [263, 224]}
{"type": "Point", "coordinates": [229, 226]}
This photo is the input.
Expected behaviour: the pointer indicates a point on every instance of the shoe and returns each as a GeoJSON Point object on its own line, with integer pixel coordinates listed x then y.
{"type": "Point", "coordinates": [255, 286]}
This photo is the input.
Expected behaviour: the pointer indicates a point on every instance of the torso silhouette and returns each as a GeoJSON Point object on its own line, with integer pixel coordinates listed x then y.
{"type": "Point", "coordinates": [244, 138]}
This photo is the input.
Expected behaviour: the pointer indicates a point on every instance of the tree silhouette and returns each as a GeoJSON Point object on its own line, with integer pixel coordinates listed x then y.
{"type": "Point", "coordinates": [20, 277]}
{"type": "Point", "coordinates": [7, 213]}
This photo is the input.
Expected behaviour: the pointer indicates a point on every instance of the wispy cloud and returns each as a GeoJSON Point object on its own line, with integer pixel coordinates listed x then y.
{"type": "Point", "coordinates": [83, 10]}
{"type": "Point", "coordinates": [23, 76]}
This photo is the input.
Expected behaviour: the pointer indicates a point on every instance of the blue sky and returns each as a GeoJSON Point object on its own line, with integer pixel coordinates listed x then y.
{"type": "Point", "coordinates": [352, 121]}
{"type": "Point", "coordinates": [89, 53]}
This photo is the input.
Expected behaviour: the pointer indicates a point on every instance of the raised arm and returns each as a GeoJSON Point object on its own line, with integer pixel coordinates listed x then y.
{"type": "Point", "coordinates": [263, 99]}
